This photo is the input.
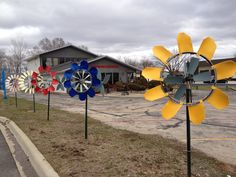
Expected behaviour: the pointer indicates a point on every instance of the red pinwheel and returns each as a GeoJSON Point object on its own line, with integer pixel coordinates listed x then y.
{"type": "Point", "coordinates": [44, 80]}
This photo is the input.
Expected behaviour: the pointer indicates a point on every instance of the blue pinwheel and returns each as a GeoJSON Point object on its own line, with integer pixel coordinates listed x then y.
{"type": "Point", "coordinates": [80, 80]}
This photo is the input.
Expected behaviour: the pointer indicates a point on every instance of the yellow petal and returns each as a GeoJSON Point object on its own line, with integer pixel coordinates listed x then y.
{"type": "Point", "coordinates": [152, 73]}
{"type": "Point", "coordinates": [154, 93]}
{"type": "Point", "coordinates": [225, 69]}
{"type": "Point", "coordinates": [196, 113]}
{"type": "Point", "coordinates": [207, 48]}
{"type": "Point", "coordinates": [170, 109]}
{"type": "Point", "coordinates": [184, 43]}
{"type": "Point", "coordinates": [218, 99]}
{"type": "Point", "coordinates": [162, 53]}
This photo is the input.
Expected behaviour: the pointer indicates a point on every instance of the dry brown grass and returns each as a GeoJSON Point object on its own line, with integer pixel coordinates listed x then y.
{"type": "Point", "coordinates": [108, 151]}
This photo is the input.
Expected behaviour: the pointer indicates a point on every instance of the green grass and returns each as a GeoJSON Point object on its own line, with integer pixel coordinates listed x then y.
{"type": "Point", "coordinates": [108, 151]}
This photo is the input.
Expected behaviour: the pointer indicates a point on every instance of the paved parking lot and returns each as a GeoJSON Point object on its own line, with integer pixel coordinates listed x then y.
{"type": "Point", "coordinates": [216, 136]}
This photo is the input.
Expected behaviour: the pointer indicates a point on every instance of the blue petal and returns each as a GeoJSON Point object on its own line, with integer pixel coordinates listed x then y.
{"type": "Point", "coordinates": [72, 92]}
{"type": "Point", "coordinates": [96, 82]}
{"type": "Point", "coordinates": [93, 71]}
{"type": "Point", "coordinates": [67, 84]}
{"type": "Point", "coordinates": [74, 66]}
{"type": "Point", "coordinates": [91, 92]}
{"type": "Point", "coordinates": [68, 74]}
{"type": "Point", "coordinates": [82, 96]}
{"type": "Point", "coordinates": [84, 64]}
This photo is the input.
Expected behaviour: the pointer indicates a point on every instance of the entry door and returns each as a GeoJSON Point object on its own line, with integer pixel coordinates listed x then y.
{"type": "Point", "coordinates": [115, 77]}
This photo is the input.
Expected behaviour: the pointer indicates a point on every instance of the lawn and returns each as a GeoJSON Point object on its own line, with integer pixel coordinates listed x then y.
{"type": "Point", "coordinates": [108, 151]}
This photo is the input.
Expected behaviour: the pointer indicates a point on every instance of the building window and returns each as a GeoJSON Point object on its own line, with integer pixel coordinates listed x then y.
{"type": "Point", "coordinates": [55, 61]}
{"type": "Point", "coordinates": [115, 77]}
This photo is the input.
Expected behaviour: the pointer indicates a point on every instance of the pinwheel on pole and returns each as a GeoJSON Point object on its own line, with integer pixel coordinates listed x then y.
{"type": "Point", "coordinates": [44, 81]}
{"type": "Point", "coordinates": [177, 82]}
{"type": "Point", "coordinates": [12, 83]}
{"type": "Point", "coordinates": [80, 81]}
{"type": "Point", "coordinates": [3, 83]}
{"type": "Point", "coordinates": [25, 85]}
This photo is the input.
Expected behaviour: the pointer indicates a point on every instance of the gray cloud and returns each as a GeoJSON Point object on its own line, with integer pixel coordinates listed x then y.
{"type": "Point", "coordinates": [121, 27]}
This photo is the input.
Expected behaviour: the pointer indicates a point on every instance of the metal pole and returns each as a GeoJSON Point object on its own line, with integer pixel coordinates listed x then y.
{"type": "Point", "coordinates": [34, 101]}
{"type": "Point", "coordinates": [86, 118]}
{"type": "Point", "coordinates": [48, 104]}
{"type": "Point", "coordinates": [16, 98]}
{"type": "Point", "coordinates": [188, 100]}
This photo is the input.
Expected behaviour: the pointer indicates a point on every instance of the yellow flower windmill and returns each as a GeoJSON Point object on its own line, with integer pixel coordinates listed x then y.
{"type": "Point", "coordinates": [176, 80]}
{"type": "Point", "coordinates": [178, 76]}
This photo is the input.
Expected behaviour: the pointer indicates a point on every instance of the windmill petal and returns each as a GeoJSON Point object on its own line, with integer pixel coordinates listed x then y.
{"type": "Point", "coordinates": [225, 69]}
{"type": "Point", "coordinates": [91, 92]}
{"type": "Point", "coordinates": [82, 96]}
{"type": "Point", "coordinates": [84, 64]}
{"type": "Point", "coordinates": [40, 69]}
{"type": "Point", "coordinates": [152, 73]}
{"type": "Point", "coordinates": [154, 93]}
{"type": "Point", "coordinates": [218, 99]}
{"type": "Point", "coordinates": [207, 48]}
{"type": "Point", "coordinates": [53, 73]}
{"type": "Point", "coordinates": [170, 109]}
{"type": "Point", "coordinates": [34, 75]}
{"type": "Point", "coordinates": [72, 92]}
{"type": "Point", "coordinates": [96, 82]}
{"type": "Point", "coordinates": [67, 84]}
{"type": "Point", "coordinates": [184, 43]}
{"type": "Point", "coordinates": [51, 88]}
{"type": "Point", "coordinates": [74, 66]}
{"type": "Point", "coordinates": [93, 71]}
{"type": "Point", "coordinates": [196, 113]}
{"type": "Point", "coordinates": [55, 82]}
{"type": "Point", "coordinates": [162, 53]}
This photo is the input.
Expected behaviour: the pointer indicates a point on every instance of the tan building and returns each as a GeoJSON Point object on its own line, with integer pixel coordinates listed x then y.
{"type": "Point", "coordinates": [60, 60]}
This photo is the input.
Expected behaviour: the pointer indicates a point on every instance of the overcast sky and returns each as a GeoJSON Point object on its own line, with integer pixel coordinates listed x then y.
{"type": "Point", "coordinates": [123, 27]}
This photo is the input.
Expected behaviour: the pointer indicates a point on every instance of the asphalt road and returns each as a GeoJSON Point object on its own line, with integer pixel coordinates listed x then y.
{"type": "Point", "coordinates": [7, 164]}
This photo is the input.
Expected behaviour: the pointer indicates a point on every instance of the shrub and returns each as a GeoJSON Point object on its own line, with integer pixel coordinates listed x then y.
{"type": "Point", "coordinates": [152, 84]}
{"type": "Point", "coordinates": [136, 87]}
{"type": "Point", "coordinates": [120, 86]}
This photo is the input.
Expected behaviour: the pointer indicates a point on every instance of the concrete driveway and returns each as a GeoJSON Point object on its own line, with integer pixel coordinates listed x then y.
{"type": "Point", "coordinates": [216, 136]}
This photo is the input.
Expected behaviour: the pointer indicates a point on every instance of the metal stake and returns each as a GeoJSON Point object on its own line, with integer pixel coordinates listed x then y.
{"type": "Point", "coordinates": [48, 104]}
{"type": "Point", "coordinates": [188, 100]}
{"type": "Point", "coordinates": [16, 98]}
{"type": "Point", "coordinates": [86, 118]}
{"type": "Point", "coordinates": [34, 101]}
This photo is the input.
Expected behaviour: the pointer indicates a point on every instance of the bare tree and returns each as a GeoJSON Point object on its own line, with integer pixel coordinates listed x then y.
{"type": "Point", "coordinates": [83, 47]}
{"type": "Point", "coordinates": [131, 61]}
{"type": "Point", "coordinates": [146, 62]}
{"type": "Point", "coordinates": [18, 52]}
{"type": "Point", "coordinates": [58, 42]}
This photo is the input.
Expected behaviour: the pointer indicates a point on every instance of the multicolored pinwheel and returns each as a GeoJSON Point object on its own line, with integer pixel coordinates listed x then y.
{"type": "Point", "coordinates": [45, 80]}
{"type": "Point", "coordinates": [80, 80]}
{"type": "Point", "coordinates": [12, 83]}
{"type": "Point", "coordinates": [25, 82]}
{"type": "Point", "coordinates": [179, 73]}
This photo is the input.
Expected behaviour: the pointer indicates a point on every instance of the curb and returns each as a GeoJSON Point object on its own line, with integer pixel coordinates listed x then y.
{"type": "Point", "coordinates": [38, 161]}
